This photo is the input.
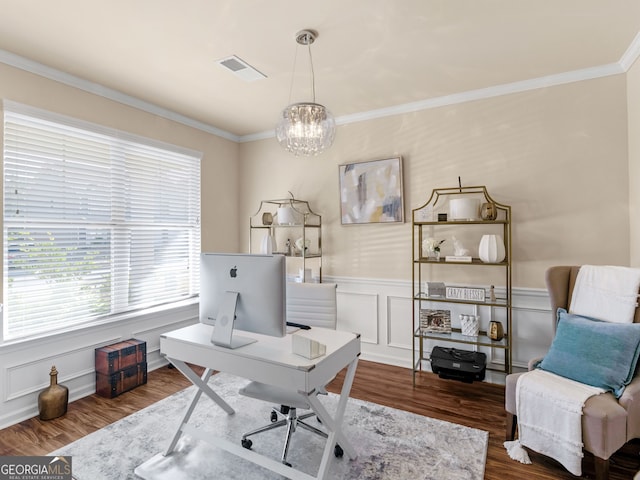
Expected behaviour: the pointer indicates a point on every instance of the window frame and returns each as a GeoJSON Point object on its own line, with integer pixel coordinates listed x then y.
{"type": "Point", "coordinates": [189, 231]}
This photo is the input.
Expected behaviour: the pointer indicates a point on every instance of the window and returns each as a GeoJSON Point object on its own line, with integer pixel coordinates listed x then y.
{"type": "Point", "coordinates": [97, 222]}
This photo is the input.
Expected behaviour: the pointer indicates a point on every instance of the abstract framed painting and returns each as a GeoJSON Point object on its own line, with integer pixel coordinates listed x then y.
{"type": "Point", "coordinates": [371, 192]}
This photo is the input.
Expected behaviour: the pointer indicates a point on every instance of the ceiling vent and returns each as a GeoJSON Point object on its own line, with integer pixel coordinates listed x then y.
{"type": "Point", "coordinates": [241, 69]}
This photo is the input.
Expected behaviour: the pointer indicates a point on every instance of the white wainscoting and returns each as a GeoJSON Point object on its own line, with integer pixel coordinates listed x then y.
{"type": "Point", "coordinates": [378, 309]}
{"type": "Point", "coordinates": [25, 366]}
{"type": "Point", "coordinates": [384, 306]}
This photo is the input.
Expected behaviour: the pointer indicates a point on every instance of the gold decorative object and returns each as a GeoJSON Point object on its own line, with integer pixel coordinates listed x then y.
{"type": "Point", "coordinates": [496, 331]}
{"type": "Point", "coordinates": [267, 218]}
{"type": "Point", "coordinates": [488, 211]}
{"type": "Point", "coordinates": [53, 400]}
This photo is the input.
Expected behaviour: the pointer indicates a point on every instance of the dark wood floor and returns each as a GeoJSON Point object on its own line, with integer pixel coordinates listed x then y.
{"type": "Point", "coordinates": [478, 405]}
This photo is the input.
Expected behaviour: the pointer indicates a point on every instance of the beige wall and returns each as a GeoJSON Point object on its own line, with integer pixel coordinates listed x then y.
{"type": "Point", "coordinates": [633, 110]}
{"type": "Point", "coordinates": [219, 160]}
{"type": "Point", "coordinates": [557, 155]}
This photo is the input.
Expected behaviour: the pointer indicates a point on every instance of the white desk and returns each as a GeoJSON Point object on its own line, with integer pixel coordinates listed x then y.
{"type": "Point", "coordinates": [269, 360]}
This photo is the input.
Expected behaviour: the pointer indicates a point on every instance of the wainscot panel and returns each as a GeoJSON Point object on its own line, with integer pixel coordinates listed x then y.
{"type": "Point", "coordinates": [532, 327]}
{"type": "Point", "coordinates": [358, 312]}
{"type": "Point", "coordinates": [25, 365]}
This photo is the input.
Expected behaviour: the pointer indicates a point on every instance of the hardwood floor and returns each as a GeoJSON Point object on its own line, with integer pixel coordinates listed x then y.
{"type": "Point", "coordinates": [477, 405]}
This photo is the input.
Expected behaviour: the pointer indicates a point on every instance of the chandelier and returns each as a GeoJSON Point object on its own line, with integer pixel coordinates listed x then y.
{"type": "Point", "coordinates": [306, 128]}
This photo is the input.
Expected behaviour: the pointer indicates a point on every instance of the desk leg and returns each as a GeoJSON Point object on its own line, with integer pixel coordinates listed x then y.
{"type": "Point", "coordinates": [201, 383]}
{"type": "Point", "coordinates": [334, 425]}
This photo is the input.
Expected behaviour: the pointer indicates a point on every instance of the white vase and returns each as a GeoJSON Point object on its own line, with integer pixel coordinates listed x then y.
{"type": "Point", "coordinates": [267, 244]}
{"type": "Point", "coordinates": [491, 249]}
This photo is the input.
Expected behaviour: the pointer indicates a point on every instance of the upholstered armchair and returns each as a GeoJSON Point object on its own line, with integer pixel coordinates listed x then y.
{"type": "Point", "coordinates": [607, 423]}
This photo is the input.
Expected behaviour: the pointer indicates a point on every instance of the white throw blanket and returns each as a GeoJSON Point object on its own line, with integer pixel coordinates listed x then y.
{"type": "Point", "coordinates": [549, 410]}
{"type": "Point", "coordinates": [605, 292]}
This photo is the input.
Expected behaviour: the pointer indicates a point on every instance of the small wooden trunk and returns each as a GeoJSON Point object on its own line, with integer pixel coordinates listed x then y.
{"type": "Point", "coordinates": [121, 355]}
{"type": "Point", "coordinates": [120, 367]}
{"type": "Point", "coordinates": [122, 381]}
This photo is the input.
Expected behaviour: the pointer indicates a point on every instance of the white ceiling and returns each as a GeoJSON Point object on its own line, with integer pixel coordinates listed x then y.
{"type": "Point", "coordinates": [370, 54]}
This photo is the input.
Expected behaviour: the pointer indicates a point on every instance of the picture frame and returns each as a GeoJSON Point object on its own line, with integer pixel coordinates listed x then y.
{"type": "Point", "coordinates": [435, 321]}
{"type": "Point", "coordinates": [371, 192]}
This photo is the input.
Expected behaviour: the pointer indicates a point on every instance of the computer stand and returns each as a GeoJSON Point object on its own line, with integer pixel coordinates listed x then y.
{"type": "Point", "coordinates": [222, 335]}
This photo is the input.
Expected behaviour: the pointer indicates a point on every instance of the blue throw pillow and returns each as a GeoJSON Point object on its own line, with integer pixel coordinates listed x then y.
{"type": "Point", "coordinates": [597, 353]}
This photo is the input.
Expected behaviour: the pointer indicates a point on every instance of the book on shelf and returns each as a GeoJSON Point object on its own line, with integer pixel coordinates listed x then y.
{"type": "Point", "coordinates": [458, 258]}
{"type": "Point", "coordinates": [435, 321]}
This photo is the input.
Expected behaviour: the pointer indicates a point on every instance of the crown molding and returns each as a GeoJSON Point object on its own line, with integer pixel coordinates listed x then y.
{"type": "Point", "coordinates": [37, 68]}
{"type": "Point", "coordinates": [252, 137]}
{"type": "Point", "coordinates": [469, 96]}
{"type": "Point", "coordinates": [631, 54]}
{"type": "Point", "coordinates": [622, 66]}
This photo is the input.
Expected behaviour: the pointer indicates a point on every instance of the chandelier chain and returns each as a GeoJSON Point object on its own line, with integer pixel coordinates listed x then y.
{"type": "Point", "coordinates": [305, 128]}
{"type": "Point", "coordinates": [295, 62]}
{"type": "Point", "coordinates": [313, 75]}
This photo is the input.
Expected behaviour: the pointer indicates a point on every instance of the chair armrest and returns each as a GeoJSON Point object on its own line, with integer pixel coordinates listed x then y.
{"type": "Point", "coordinates": [631, 392]}
{"type": "Point", "coordinates": [533, 363]}
{"type": "Point", "coordinates": [511, 381]}
{"type": "Point", "coordinates": [630, 401]}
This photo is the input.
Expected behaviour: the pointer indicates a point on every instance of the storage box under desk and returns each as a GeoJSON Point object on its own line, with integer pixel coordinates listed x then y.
{"type": "Point", "coordinates": [113, 358]}
{"type": "Point", "coordinates": [121, 381]}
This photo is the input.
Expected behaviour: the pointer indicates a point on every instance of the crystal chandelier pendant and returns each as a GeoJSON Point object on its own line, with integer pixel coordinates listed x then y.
{"type": "Point", "coordinates": [306, 129]}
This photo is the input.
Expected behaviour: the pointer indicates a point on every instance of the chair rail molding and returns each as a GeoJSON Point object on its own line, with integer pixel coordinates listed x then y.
{"type": "Point", "coordinates": [24, 366]}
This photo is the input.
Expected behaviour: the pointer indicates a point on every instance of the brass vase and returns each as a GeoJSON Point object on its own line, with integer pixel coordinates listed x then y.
{"type": "Point", "coordinates": [496, 332]}
{"type": "Point", "coordinates": [488, 211]}
{"type": "Point", "coordinates": [53, 400]}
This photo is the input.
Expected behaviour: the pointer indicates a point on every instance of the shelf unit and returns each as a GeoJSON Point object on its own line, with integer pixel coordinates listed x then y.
{"type": "Point", "coordinates": [425, 269]}
{"type": "Point", "coordinates": [301, 225]}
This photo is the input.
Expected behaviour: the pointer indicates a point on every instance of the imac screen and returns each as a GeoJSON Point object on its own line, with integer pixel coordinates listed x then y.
{"type": "Point", "coordinates": [260, 282]}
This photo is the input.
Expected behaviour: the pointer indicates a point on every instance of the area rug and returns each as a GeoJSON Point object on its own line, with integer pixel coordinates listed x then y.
{"type": "Point", "coordinates": [391, 444]}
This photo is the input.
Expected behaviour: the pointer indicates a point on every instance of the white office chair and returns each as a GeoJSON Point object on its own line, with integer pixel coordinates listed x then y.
{"type": "Point", "coordinates": [312, 304]}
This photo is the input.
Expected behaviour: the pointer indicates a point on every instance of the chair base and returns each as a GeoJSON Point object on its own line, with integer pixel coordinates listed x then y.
{"type": "Point", "coordinates": [291, 421]}
{"type": "Point", "coordinates": [601, 467]}
{"type": "Point", "coordinates": [512, 423]}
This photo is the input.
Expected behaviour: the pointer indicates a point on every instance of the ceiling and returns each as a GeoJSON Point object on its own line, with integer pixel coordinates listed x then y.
{"type": "Point", "coordinates": [369, 55]}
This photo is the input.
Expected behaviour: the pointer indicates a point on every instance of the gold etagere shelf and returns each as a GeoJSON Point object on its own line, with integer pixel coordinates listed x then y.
{"type": "Point", "coordinates": [295, 231]}
{"type": "Point", "coordinates": [435, 215]}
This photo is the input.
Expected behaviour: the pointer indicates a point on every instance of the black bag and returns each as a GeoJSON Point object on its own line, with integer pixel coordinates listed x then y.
{"type": "Point", "coordinates": [455, 364]}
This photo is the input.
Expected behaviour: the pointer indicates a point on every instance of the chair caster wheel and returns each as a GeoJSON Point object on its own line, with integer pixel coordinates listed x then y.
{"type": "Point", "coordinates": [246, 443]}
{"type": "Point", "coordinates": [337, 451]}
{"type": "Point", "coordinates": [274, 417]}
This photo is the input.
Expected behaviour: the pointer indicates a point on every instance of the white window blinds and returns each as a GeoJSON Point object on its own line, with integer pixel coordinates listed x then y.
{"type": "Point", "coordinates": [96, 222]}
